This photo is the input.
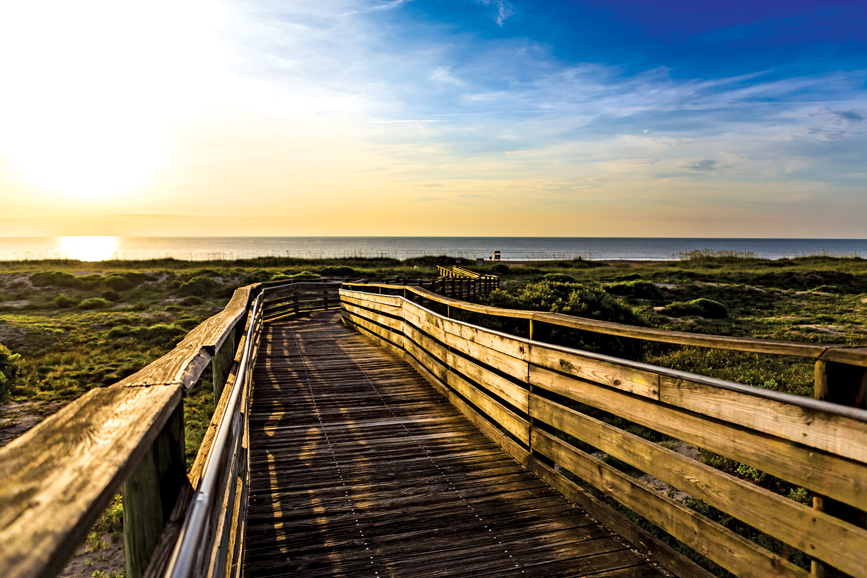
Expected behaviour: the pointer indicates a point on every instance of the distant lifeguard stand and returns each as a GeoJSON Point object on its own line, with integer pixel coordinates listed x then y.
{"type": "Point", "coordinates": [496, 256]}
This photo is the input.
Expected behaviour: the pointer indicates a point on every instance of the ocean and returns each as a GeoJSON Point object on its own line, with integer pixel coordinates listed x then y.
{"type": "Point", "coordinates": [511, 248]}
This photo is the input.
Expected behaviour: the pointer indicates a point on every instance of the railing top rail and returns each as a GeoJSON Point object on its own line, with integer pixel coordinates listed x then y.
{"type": "Point", "coordinates": [184, 364]}
{"type": "Point", "coordinates": [806, 403]}
{"type": "Point", "coordinates": [188, 544]}
{"type": "Point", "coordinates": [473, 274]}
{"type": "Point", "coordinates": [827, 352]}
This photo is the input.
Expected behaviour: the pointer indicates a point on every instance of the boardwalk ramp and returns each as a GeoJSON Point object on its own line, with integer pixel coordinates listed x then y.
{"type": "Point", "coordinates": [360, 468]}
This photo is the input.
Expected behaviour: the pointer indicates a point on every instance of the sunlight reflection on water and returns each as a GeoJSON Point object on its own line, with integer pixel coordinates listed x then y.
{"type": "Point", "coordinates": [89, 248]}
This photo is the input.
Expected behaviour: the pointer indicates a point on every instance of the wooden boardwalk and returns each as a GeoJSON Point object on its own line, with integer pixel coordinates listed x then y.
{"type": "Point", "coordinates": [360, 468]}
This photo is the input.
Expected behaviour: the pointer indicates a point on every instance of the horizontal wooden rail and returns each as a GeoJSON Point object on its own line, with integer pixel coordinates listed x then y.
{"type": "Point", "coordinates": [456, 271]}
{"type": "Point", "coordinates": [531, 398]}
{"type": "Point", "coordinates": [826, 352]}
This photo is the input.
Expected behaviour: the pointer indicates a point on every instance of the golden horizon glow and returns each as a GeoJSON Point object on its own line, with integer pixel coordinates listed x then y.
{"type": "Point", "coordinates": [365, 117]}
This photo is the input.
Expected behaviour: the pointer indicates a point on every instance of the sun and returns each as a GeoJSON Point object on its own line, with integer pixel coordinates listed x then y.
{"type": "Point", "coordinates": [92, 87]}
{"type": "Point", "coordinates": [89, 248]}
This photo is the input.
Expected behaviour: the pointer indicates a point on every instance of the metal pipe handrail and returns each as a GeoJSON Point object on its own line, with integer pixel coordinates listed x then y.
{"type": "Point", "coordinates": [187, 548]}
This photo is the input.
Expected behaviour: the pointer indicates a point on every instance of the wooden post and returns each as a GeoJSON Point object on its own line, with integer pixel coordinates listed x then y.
{"type": "Point", "coordinates": [540, 331]}
{"type": "Point", "coordinates": [150, 493]}
{"type": "Point", "coordinates": [295, 303]}
{"type": "Point", "coordinates": [845, 385]}
{"type": "Point", "coordinates": [222, 363]}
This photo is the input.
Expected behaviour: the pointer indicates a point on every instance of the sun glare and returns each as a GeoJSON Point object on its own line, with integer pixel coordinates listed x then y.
{"type": "Point", "coordinates": [91, 87]}
{"type": "Point", "coordinates": [89, 248]}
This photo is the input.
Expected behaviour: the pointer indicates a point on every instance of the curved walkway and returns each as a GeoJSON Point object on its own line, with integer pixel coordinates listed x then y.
{"type": "Point", "coordinates": [360, 468]}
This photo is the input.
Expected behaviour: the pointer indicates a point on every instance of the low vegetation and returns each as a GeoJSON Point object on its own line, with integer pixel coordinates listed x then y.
{"type": "Point", "coordinates": [67, 327]}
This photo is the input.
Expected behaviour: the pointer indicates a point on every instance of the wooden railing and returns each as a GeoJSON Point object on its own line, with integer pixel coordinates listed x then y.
{"type": "Point", "coordinates": [465, 288]}
{"type": "Point", "coordinates": [58, 478]}
{"type": "Point", "coordinates": [300, 297]}
{"type": "Point", "coordinates": [535, 399]}
{"type": "Point", "coordinates": [463, 273]}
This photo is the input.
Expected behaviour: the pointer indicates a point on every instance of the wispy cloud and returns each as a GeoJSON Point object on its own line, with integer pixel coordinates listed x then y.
{"type": "Point", "coordinates": [504, 9]}
{"type": "Point", "coordinates": [391, 4]}
{"type": "Point", "coordinates": [702, 166]}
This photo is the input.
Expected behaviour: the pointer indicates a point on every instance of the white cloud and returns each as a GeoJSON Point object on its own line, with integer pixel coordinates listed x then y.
{"type": "Point", "coordinates": [504, 9]}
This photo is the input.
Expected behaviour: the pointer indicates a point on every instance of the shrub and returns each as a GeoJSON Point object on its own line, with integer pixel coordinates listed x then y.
{"type": "Point", "coordinates": [571, 299]}
{"type": "Point", "coordinates": [162, 333]}
{"type": "Point", "coordinates": [198, 286]}
{"type": "Point", "coordinates": [117, 283]}
{"type": "Point", "coordinates": [559, 278]}
{"type": "Point", "coordinates": [341, 271]}
{"type": "Point", "coordinates": [111, 295]}
{"type": "Point", "coordinates": [94, 303]}
{"type": "Point", "coordinates": [120, 331]}
{"type": "Point", "coordinates": [501, 269]}
{"type": "Point", "coordinates": [191, 300]}
{"type": "Point", "coordinates": [637, 289]}
{"type": "Point", "coordinates": [305, 275]}
{"type": "Point", "coordinates": [701, 307]}
{"type": "Point", "coordinates": [429, 261]}
{"type": "Point", "coordinates": [11, 370]}
{"type": "Point", "coordinates": [630, 277]}
{"type": "Point", "coordinates": [56, 279]}
{"type": "Point", "coordinates": [280, 277]}
{"type": "Point", "coordinates": [260, 276]}
{"type": "Point", "coordinates": [62, 301]}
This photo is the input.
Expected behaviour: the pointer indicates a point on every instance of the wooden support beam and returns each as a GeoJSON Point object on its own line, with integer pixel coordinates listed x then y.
{"type": "Point", "coordinates": [845, 385]}
{"type": "Point", "coordinates": [222, 363]}
{"type": "Point", "coordinates": [150, 493]}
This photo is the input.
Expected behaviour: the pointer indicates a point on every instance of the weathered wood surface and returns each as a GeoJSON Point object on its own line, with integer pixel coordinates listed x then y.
{"type": "Point", "coordinates": [837, 353]}
{"type": "Point", "coordinates": [823, 536]}
{"type": "Point", "coordinates": [843, 479]}
{"type": "Point", "coordinates": [185, 363]}
{"type": "Point", "coordinates": [359, 467]}
{"type": "Point", "coordinates": [752, 425]}
{"type": "Point", "coordinates": [732, 551]}
{"type": "Point", "coordinates": [60, 476]}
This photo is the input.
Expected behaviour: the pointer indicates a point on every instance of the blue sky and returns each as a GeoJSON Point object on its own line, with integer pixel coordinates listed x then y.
{"type": "Point", "coordinates": [566, 118]}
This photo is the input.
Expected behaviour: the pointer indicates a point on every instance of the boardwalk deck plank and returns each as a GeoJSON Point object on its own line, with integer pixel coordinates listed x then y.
{"type": "Point", "coordinates": [360, 468]}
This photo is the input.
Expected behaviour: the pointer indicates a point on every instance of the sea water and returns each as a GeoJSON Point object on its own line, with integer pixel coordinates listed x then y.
{"type": "Point", "coordinates": [510, 248]}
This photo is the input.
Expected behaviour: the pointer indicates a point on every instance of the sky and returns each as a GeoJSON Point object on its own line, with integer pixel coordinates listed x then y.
{"type": "Point", "coordinates": [577, 118]}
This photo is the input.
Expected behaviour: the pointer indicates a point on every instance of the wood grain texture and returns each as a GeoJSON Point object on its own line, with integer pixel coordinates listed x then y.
{"type": "Point", "coordinates": [358, 466]}
{"type": "Point", "coordinates": [610, 372]}
{"type": "Point", "coordinates": [658, 551]}
{"type": "Point", "coordinates": [822, 472]}
{"type": "Point", "coordinates": [60, 476]}
{"type": "Point", "coordinates": [731, 551]}
{"type": "Point", "coordinates": [150, 494]}
{"type": "Point", "coordinates": [821, 535]}
{"type": "Point", "coordinates": [809, 422]}
{"type": "Point", "coordinates": [508, 390]}
{"type": "Point", "coordinates": [495, 411]}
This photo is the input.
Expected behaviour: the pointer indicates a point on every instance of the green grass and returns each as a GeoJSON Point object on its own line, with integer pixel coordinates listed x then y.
{"type": "Point", "coordinates": [67, 346]}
